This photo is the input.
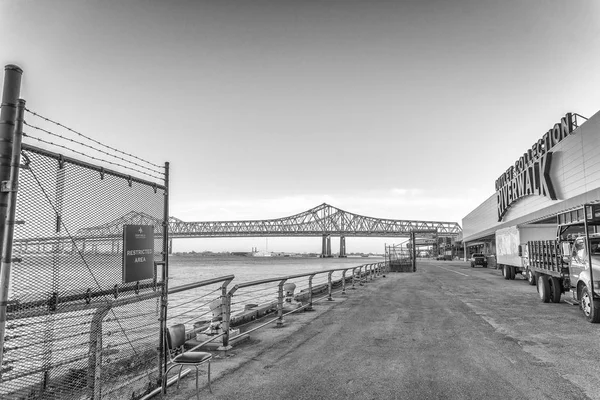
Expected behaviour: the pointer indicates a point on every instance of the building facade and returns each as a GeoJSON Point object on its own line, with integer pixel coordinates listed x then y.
{"type": "Point", "coordinates": [558, 172]}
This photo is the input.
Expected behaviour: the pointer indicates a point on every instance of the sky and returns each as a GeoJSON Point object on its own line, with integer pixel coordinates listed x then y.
{"type": "Point", "coordinates": [407, 110]}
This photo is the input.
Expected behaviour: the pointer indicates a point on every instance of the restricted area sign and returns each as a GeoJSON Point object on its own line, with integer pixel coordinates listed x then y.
{"type": "Point", "coordinates": [138, 252]}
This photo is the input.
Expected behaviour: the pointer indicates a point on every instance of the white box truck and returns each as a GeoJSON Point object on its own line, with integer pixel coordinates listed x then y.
{"type": "Point", "coordinates": [511, 248]}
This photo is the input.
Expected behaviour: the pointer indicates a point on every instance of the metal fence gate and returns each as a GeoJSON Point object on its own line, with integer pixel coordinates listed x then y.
{"type": "Point", "coordinates": [74, 329]}
{"type": "Point", "coordinates": [400, 258]}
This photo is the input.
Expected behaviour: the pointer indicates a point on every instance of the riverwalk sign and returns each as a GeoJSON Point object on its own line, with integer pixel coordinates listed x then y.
{"type": "Point", "coordinates": [530, 175]}
{"type": "Point", "coordinates": [138, 252]}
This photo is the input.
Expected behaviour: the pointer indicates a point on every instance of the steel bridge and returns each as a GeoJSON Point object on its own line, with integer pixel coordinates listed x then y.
{"type": "Point", "coordinates": [324, 220]}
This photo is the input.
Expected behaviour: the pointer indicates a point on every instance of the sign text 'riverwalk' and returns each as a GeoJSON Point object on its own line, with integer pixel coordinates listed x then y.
{"type": "Point", "coordinates": [531, 172]}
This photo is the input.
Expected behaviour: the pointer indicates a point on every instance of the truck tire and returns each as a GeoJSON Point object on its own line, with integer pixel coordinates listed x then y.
{"type": "Point", "coordinates": [513, 272]}
{"type": "Point", "coordinates": [530, 277]}
{"type": "Point", "coordinates": [555, 291]}
{"type": "Point", "coordinates": [506, 272]}
{"type": "Point", "coordinates": [590, 308]}
{"type": "Point", "coordinates": [543, 288]}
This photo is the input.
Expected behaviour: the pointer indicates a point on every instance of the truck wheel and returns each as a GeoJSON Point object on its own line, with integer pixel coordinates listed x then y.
{"type": "Point", "coordinates": [506, 272]}
{"type": "Point", "coordinates": [554, 289]}
{"type": "Point", "coordinates": [512, 272]}
{"type": "Point", "coordinates": [590, 308]}
{"type": "Point", "coordinates": [543, 288]}
{"type": "Point", "coordinates": [530, 277]}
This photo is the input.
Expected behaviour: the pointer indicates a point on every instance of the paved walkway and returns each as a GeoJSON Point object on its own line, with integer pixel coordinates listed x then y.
{"type": "Point", "coordinates": [406, 336]}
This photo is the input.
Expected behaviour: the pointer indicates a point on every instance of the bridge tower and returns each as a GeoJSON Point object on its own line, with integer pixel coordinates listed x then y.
{"type": "Point", "coordinates": [326, 248]}
{"type": "Point", "coordinates": [343, 247]}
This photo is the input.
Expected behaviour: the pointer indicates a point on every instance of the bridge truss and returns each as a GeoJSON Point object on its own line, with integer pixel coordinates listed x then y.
{"type": "Point", "coordinates": [318, 221]}
{"type": "Point", "coordinates": [323, 220]}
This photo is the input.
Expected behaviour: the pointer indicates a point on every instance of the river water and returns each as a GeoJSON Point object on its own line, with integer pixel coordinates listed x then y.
{"type": "Point", "coordinates": [190, 305]}
{"type": "Point", "coordinates": [191, 268]}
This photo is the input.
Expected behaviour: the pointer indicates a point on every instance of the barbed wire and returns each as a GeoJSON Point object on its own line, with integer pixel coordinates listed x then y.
{"type": "Point", "coordinates": [91, 147]}
{"type": "Point", "coordinates": [90, 139]}
{"type": "Point", "coordinates": [92, 157]}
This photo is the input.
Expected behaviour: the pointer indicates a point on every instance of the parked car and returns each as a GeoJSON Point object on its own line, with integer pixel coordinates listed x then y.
{"type": "Point", "coordinates": [478, 259]}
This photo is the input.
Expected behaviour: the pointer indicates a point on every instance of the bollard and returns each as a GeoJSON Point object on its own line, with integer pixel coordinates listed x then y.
{"type": "Point", "coordinates": [288, 289]}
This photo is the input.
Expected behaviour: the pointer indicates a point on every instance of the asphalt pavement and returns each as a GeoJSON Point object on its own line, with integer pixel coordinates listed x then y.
{"type": "Point", "coordinates": [447, 331]}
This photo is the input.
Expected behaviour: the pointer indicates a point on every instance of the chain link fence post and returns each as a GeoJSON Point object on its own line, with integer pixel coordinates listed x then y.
{"type": "Point", "coordinates": [11, 132]}
{"type": "Point", "coordinates": [162, 350]}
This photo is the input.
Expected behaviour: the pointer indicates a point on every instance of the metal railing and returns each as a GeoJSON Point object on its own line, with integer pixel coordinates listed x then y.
{"type": "Point", "coordinates": [198, 305]}
{"type": "Point", "coordinates": [247, 302]}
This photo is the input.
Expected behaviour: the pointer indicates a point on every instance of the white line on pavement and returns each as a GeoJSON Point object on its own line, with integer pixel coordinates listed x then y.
{"type": "Point", "coordinates": [460, 273]}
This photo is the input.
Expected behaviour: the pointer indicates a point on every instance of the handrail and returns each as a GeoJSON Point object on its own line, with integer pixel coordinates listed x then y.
{"type": "Point", "coordinates": [370, 272]}
{"type": "Point", "coordinates": [181, 288]}
{"type": "Point", "coordinates": [287, 277]}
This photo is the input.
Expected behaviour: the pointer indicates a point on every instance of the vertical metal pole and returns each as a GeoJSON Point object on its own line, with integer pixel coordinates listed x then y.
{"type": "Point", "coordinates": [11, 91]}
{"type": "Point", "coordinates": [589, 251]}
{"type": "Point", "coordinates": [344, 281]}
{"type": "Point", "coordinates": [353, 274]}
{"type": "Point", "coordinates": [163, 356]}
{"type": "Point", "coordinates": [95, 353]}
{"type": "Point", "coordinates": [226, 316]}
{"type": "Point", "coordinates": [414, 251]}
{"type": "Point", "coordinates": [310, 292]}
{"type": "Point", "coordinates": [385, 254]}
{"type": "Point", "coordinates": [49, 323]}
{"type": "Point", "coordinates": [329, 285]}
{"type": "Point", "coordinates": [9, 192]}
{"type": "Point", "coordinates": [280, 303]}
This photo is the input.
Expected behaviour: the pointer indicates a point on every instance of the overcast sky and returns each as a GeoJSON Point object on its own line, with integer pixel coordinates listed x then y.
{"type": "Point", "coordinates": [397, 109]}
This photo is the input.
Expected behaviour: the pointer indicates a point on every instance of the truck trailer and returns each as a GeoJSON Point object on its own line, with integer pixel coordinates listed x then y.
{"type": "Point", "coordinates": [511, 249]}
{"type": "Point", "coordinates": [571, 263]}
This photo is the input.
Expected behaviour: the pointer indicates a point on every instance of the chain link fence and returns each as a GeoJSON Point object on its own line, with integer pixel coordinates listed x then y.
{"type": "Point", "coordinates": [73, 325]}
{"type": "Point", "coordinates": [399, 258]}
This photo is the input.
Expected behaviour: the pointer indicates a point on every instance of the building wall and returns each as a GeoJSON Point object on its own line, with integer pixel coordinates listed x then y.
{"type": "Point", "coordinates": [575, 175]}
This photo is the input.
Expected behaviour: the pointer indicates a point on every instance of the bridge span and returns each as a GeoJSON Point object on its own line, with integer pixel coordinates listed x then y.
{"type": "Point", "coordinates": [324, 220]}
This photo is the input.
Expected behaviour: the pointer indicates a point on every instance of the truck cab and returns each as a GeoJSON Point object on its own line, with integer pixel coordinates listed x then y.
{"type": "Point", "coordinates": [582, 252]}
